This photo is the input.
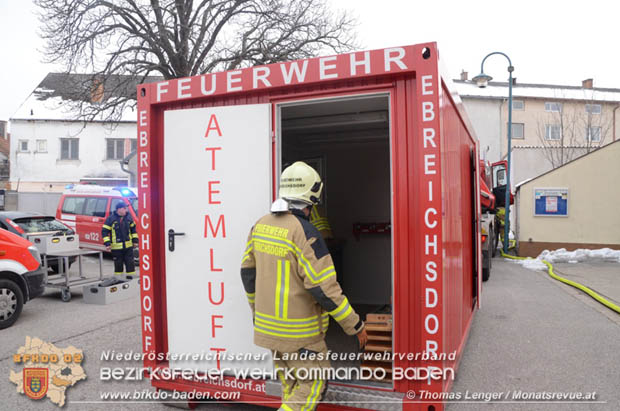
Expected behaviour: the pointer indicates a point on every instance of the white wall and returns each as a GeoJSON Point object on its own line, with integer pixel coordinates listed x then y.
{"type": "Point", "coordinates": [34, 167]}
{"type": "Point", "coordinates": [593, 200]}
{"type": "Point", "coordinates": [484, 115]}
{"type": "Point", "coordinates": [531, 162]}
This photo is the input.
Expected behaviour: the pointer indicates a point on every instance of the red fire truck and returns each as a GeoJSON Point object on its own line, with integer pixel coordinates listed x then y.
{"type": "Point", "coordinates": [394, 146]}
{"type": "Point", "coordinates": [85, 207]}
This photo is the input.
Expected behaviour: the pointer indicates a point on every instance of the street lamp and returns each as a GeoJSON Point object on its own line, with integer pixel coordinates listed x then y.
{"type": "Point", "coordinates": [481, 81]}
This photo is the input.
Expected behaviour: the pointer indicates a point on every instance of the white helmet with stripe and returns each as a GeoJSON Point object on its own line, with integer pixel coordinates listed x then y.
{"type": "Point", "coordinates": [300, 182]}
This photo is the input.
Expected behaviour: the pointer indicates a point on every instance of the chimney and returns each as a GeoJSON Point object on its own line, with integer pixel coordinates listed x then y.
{"type": "Point", "coordinates": [464, 75]}
{"type": "Point", "coordinates": [96, 92]}
{"type": "Point", "coordinates": [588, 83]}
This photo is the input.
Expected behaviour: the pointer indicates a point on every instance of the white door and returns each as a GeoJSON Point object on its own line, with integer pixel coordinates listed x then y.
{"type": "Point", "coordinates": [217, 184]}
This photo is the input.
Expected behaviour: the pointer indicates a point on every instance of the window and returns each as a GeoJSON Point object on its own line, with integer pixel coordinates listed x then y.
{"type": "Point", "coordinates": [23, 146]}
{"type": "Point", "coordinates": [73, 205]}
{"type": "Point", "coordinates": [593, 134]}
{"type": "Point", "coordinates": [517, 130]}
{"type": "Point", "coordinates": [69, 149]}
{"type": "Point", "coordinates": [500, 177]}
{"type": "Point", "coordinates": [553, 107]}
{"type": "Point", "coordinates": [553, 132]}
{"type": "Point", "coordinates": [115, 149]}
{"type": "Point", "coordinates": [96, 206]}
{"type": "Point", "coordinates": [134, 144]}
{"type": "Point", "coordinates": [518, 105]}
{"type": "Point", "coordinates": [41, 146]}
{"type": "Point", "coordinates": [593, 108]}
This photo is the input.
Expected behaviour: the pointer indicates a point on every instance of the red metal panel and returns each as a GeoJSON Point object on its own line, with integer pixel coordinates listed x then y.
{"type": "Point", "coordinates": [427, 174]}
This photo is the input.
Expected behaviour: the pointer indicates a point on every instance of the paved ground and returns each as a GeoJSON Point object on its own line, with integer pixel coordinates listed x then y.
{"type": "Point", "coordinates": [601, 276]}
{"type": "Point", "coordinates": [535, 334]}
{"type": "Point", "coordinates": [532, 334]}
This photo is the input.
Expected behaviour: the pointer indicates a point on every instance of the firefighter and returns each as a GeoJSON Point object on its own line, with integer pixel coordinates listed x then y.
{"type": "Point", "coordinates": [120, 237]}
{"type": "Point", "coordinates": [318, 218]}
{"type": "Point", "coordinates": [291, 286]}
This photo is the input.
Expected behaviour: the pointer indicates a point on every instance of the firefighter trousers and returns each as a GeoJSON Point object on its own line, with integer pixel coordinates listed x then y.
{"type": "Point", "coordinates": [123, 257]}
{"type": "Point", "coordinates": [302, 386]}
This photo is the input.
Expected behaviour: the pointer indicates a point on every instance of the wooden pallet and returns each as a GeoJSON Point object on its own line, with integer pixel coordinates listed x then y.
{"type": "Point", "coordinates": [379, 330]}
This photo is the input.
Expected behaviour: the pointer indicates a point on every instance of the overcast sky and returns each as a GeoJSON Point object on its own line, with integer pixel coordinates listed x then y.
{"type": "Point", "coordinates": [557, 42]}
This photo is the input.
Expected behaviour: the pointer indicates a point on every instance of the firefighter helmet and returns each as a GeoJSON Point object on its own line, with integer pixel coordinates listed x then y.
{"type": "Point", "coordinates": [300, 182]}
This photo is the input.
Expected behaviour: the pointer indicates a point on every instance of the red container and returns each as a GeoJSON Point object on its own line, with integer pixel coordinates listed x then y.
{"type": "Point", "coordinates": [434, 197]}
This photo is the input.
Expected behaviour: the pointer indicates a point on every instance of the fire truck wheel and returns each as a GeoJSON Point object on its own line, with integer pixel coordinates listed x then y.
{"type": "Point", "coordinates": [486, 273]}
{"type": "Point", "coordinates": [11, 303]}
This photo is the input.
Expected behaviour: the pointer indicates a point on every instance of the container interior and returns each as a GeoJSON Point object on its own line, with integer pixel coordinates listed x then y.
{"type": "Point", "coordinates": [348, 142]}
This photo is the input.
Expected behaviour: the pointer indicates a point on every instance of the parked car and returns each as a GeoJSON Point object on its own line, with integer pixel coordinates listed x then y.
{"type": "Point", "coordinates": [22, 277]}
{"type": "Point", "coordinates": [26, 224]}
{"type": "Point", "coordinates": [85, 207]}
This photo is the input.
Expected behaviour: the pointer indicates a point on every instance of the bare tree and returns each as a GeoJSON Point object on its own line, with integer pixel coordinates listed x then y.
{"type": "Point", "coordinates": [572, 129]}
{"type": "Point", "coordinates": [124, 42]}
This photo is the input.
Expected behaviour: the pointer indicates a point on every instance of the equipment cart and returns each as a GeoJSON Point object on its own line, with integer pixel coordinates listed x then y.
{"type": "Point", "coordinates": [62, 280]}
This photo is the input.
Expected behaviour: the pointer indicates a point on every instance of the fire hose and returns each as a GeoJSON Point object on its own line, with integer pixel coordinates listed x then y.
{"type": "Point", "coordinates": [575, 284]}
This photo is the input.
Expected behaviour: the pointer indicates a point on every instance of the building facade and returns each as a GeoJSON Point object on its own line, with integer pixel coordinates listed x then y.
{"type": "Point", "coordinates": [552, 125]}
{"type": "Point", "coordinates": [50, 147]}
{"type": "Point", "coordinates": [572, 206]}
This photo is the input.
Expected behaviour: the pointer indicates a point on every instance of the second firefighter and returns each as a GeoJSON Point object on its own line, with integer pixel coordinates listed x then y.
{"type": "Point", "coordinates": [120, 237]}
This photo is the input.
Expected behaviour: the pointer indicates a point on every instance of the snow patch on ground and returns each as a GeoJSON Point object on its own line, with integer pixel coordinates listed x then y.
{"type": "Point", "coordinates": [580, 255]}
{"type": "Point", "coordinates": [573, 257]}
{"type": "Point", "coordinates": [533, 264]}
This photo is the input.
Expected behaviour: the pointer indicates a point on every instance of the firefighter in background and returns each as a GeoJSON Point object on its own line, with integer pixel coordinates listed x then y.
{"type": "Point", "coordinates": [290, 282]}
{"type": "Point", "coordinates": [318, 218]}
{"type": "Point", "coordinates": [120, 237]}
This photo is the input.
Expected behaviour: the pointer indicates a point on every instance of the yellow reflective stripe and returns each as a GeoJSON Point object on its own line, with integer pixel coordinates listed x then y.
{"type": "Point", "coordinates": [278, 288]}
{"type": "Point", "coordinates": [251, 297]}
{"type": "Point", "coordinates": [342, 311]}
{"type": "Point", "coordinates": [287, 274]}
{"type": "Point", "coordinates": [134, 235]}
{"type": "Point", "coordinates": [107, 226]}
{"type": "Point", "coordinates": [290, 320]}
{"type": "Point", "coordinates": [313, 396]}
{"type": "Point", "coordinates": [284, 328]}
{"type": "Point", "coordinates": [284, 269]}
{"type": "Point", "coordinates": [248, 249]}
{"type": "Point", "coordinates": [286, 389]}
{"type": "Point", "coordinates": [106, 239]}
{"type": "Point", "coordinates": [292, 327]}
{"type": "Point", "coordinates": [286, 407]}
{"type": "Point", "coordinates": [287, 334]}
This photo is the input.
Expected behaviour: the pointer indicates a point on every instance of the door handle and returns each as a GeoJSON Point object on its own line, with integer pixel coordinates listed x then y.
{"type": "Point", "coordinates": [171, 235]}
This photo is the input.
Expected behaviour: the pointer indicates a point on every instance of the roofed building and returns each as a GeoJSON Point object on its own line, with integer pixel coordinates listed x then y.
{"type": "Point", "coordinates": [551, 124]}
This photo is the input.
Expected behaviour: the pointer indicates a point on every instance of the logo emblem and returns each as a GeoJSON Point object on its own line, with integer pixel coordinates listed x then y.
{"type": "Point", "coordinates": [35, 382]}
